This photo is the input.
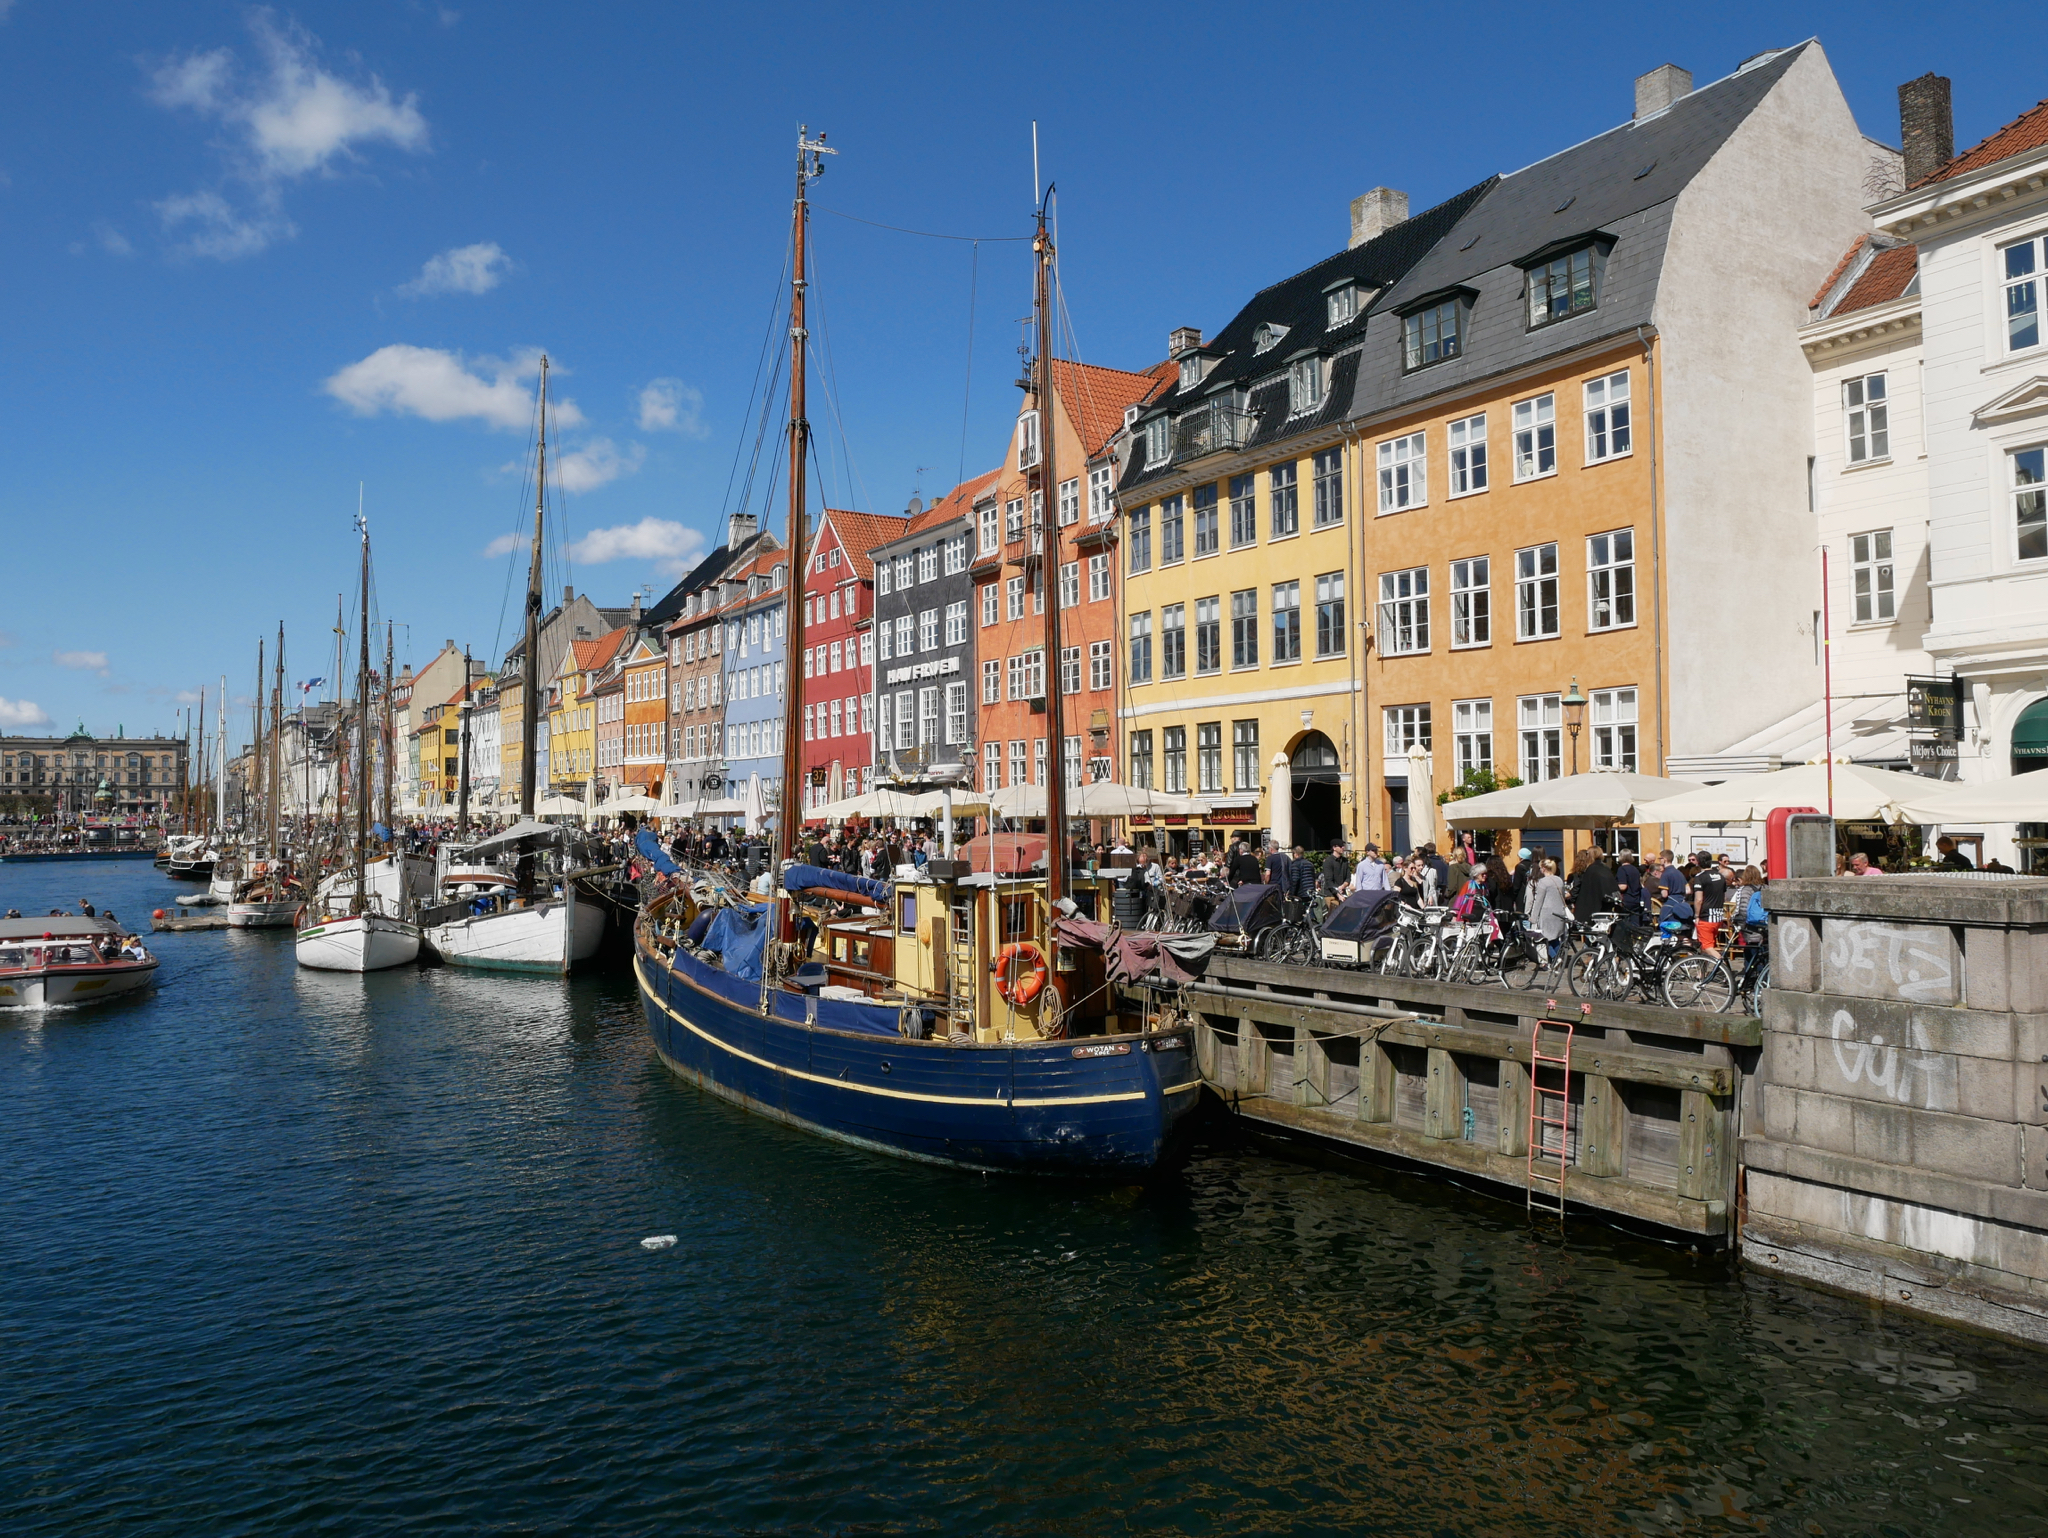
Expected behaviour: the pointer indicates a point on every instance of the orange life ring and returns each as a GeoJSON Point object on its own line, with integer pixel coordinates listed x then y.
{"type": "Point", "coordinates": [1018, 989]}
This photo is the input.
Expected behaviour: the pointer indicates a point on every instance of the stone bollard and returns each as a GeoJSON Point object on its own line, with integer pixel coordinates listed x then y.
{"type": "Point", "coordinates": [1896, 1146]}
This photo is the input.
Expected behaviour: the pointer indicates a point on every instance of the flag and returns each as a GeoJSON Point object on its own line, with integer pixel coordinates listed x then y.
{"type": "Point", "coordinates": [311, 684]}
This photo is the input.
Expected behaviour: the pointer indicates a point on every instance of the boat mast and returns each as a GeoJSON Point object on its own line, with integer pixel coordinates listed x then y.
{"type": "Point", "coordinates": [193, 780]}
{"type": "Point", "coordinates": [1048, 572]}
{"type": "Point", "coordinates": [384, 742]}
{"type": "Point", "coordinates": [220, 744]}
{"type": "Point", "coordinates": [363, 730]}
{"type": "Point", "coordinates": [529, 693]}
{"type": "Point", "coordinates": [462, 710]}
{"type": "Point", "coordinates": [277, 746]}
{"type": "Point", "coordinates": [810, 166]}
{"type": "Point", "coordinates": [257, 763]}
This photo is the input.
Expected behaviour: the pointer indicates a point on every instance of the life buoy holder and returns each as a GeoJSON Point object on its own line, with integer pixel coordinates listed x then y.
{"type": "Point", "coordinates": [1020, 987]}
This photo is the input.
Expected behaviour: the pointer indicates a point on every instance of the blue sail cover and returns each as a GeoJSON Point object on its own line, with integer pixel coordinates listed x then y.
{"type": "Point", "coordinates": [649, 849]}
{"type": "Point", "coordinates": [738, 934]}
{"type": "Point", "coordinates": [815, 878]}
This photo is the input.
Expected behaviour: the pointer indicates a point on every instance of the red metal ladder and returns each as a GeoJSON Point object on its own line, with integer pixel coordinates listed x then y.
{"type": "Point", "coordinates": [1546, 1189]}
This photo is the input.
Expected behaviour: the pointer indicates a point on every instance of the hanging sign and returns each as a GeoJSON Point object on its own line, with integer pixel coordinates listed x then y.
{"type": "Point", "coordinates": [1935, 705]}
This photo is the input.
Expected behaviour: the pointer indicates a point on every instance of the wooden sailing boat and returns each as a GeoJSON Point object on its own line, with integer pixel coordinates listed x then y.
{"type": "Point", "coordinates": [918, 1033]}
{"type": "Point", "coordinates": [531, 918]}
{"type": "Point", "coordinates": [270, 898]}
{"type": "Point", "coordinates": [352, 928]}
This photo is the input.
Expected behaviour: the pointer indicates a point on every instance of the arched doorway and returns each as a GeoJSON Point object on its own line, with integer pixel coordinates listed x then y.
{"type": "Point", "coordinates": [2030, 739]}
{"type": "Point", "coordinates": [1318, 801]}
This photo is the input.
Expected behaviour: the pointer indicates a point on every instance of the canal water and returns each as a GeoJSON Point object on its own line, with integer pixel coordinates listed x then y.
{"type": "Point", "coordinates": [292, 1253]}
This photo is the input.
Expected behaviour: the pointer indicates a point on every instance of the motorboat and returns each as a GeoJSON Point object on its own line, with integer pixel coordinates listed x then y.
{"type": "Point", "coordinates": [45, 962]}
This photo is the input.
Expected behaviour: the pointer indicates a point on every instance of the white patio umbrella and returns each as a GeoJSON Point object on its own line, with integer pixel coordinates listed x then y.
{"type": "Point", "coordinates": [1097, 798]}
{"type": "Point", "coordinates": [756, 803]}
{"type": "Point", "coordinates": [631, 802]}
{"type": "Point", "coordinates": [1595, 800]}
{"type": "Point", "coordinates": [884, 801]}
{"type": "Point", "coordinates": [1861, 794]}
{"type": "Point", "coordinates": [560, 806]}
{"type": "Point", "coordinates": [2022, 798]}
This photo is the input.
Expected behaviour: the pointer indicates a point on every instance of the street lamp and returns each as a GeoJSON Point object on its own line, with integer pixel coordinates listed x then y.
{"type": "Point", "coordinates": [1574, 718]}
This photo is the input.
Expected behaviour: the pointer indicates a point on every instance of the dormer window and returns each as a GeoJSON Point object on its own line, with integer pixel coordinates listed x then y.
{"type": "Point", "coordinates": [1130, 417]}
{"type": "Point", "coordinates": [1304, 385]}
{"type": "Point", "coordinates": [1431, 335]}
{"type": "Point", "coordinates": [1566, 283]}
{"type": "Point", "coordinates": [1267, 337]}
{"type": "Point", "coordinates": [1190, 373]}
{"type": "Point", "coordinates": [1342, 305]}
{"type": "Point", "coordinates": [1027, 441]}
{"type": "Point", "coordinates": [1156, 441]}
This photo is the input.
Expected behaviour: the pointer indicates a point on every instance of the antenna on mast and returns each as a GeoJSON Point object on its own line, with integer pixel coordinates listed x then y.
{"type": "Point", "coordinates": [1035, 183]}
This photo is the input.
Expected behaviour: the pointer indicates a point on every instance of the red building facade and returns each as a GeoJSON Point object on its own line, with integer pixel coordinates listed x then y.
{"type": "Point", "coordinates": [838, 661]}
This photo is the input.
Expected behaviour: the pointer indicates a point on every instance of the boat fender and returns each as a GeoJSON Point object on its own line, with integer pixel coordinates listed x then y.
{"type": "Point", "coordinates": [1020, 972]}
{"type": "Point", "coordinates": [928, 929]}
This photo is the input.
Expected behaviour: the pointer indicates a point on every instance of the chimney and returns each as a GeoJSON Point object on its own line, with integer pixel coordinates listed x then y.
{"type": "Point", "coordinates": [739, 528]}
{"type": "Point", "coordinates": [1660, 88]}
{"type": "Point", "coordinates": [1927, 126]}
{"type": "Point", "coordinates": [1183, 338]}
{"type": "Point", "coordinates": [1376, 212]}
{"type": "Point", "coordinates": [568, 596]}
{"type": "Point", "coordinates": [633, 613]}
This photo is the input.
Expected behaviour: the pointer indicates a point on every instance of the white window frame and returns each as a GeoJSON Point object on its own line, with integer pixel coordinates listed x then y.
{"type": "Point", "coordinates": [1471, 737]}
{"type": "Point", "coordinates": [1613, 715]}
{"type": "Point", "coordinates": [1536, 593]}
{"type": "Point", "coordinates": [992, 681]}
{"type": "Point", "coordinates": [2027, 493]}
{"type": "Point", "coordinates": [1403, 727]}
{"type": "Point", "coordinates": [1609, 434]}
{"type": "Point", "coordinates": [1070, 670]}
{"type": "Point", "coordinates": [1539, 728]}
{"type": "Point", "coordinates": [2022, 287]}
{"type": "Point", "coordinates": [1866, 419]}
{"type": "Point", "coordinates": [956, 622]}
{"type": "Point", "coordinates": [1070, 584]}
{"type": "Point", "coordinates": [956, 713]}
{"type": "Point", "coordinates": [991, 604]}
{"type": "Point", "coordinates": [1013, 598]}
{"type": "Point", "coordinates": [1404, 612]}
{"type": "Point", "coordinates": [956, 555]}
{"type": "Point", "coordinates": [1029, 449]}
{"type": "Point", "coordinates": [1404, 472]}
{"type": "Point", "coordinates": [1304, 385]}
{"type": "Point", "coordinates": [1611, 580]}
{"type": "Point", "coordinates": [928, 564]}
{"type": "Point", "coordinates": [1471, 603]}
{"type": "Point", "coordinates": [1101, 665]}
{"type": "Point", "coordinates": [988, 525]}
{"type": "Point", "coordinates": [1070, 502]}
{"type": "Point", "coordinates": [1535, 428]}
{"type": "Point", "coordinates": [991, 766]}
{"type": "Point", "coordinates": [1340, 306]}
{"type": "Point", "coordinates": [1098, 578]}
{"type": "Point", "coordinates": [1102, 493]}
{"type": "Point", "coordinates": [1467, 457]}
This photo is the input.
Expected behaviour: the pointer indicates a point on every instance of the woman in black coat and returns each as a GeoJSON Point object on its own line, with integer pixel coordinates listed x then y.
{"type": "Point", "coordinates": [1592, 886]}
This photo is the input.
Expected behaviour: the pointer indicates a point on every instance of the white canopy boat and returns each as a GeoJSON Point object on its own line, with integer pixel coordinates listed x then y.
{"type": "Point", "coordinates": [65, 960]}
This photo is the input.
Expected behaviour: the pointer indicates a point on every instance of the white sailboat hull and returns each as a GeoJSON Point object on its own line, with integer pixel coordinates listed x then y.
{"type": "Point", "coordinates": [549, 937]}
{"type": "Point", "coordinates": [264, 915]}
{"type": "Point", "coordinates": [366, 942]}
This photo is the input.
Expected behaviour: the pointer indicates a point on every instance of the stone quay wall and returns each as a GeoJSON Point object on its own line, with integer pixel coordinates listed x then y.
{"type": "Point", "coordinates": [1896, 1133]}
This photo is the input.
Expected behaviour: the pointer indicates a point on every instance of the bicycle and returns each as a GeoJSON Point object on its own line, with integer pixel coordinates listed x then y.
{"type": "Point", "coordinates": [1754, 980]}
{"type": "Point", "coordinates": [1296, 940]}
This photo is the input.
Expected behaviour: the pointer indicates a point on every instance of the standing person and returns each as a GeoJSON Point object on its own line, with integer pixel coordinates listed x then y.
{"type": "Point", "coordinates": [1525, 875]}
{"type": "Point", "coordinates": [1859, 865]}
{"type": "Point", "coordinates": [1709, 891]}
{"type": "Point", "coordinates": [1952, 858]}
{"type": "Point", "coordinates": [1438, 867]}
{"type": "Point", "coordinates": [1276, 867]}
{"type": "Point", "coordinates": [1544, 902]}
{"type": "Point", "coordinates": [1372, 874]}
{"type": "Point", "coordinates": [1336, 879]}
{"type": "Point", "coordinates": [1301, 883]}
{"type": "Point", "coordinates": [1457, 869]}
{"type": "Point", "coordinates": [1500, 882]}
{"type": "Point", "coordinates": [1671, 878]}
{"type": "Point", "coordinates": [1628, 884]}
{"type": "Point", "coordinates": [1592, 886]}
{"type": "Point", "coordinates": [1244, 865]}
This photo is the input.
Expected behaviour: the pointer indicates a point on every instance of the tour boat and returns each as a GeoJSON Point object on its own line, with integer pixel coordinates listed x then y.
{"type": "Point", "coordinates": [59, 960]}
{"type": "Point", "coordinates": [953, 1017]}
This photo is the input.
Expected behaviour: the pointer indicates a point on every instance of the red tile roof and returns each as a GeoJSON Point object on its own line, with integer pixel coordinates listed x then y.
{"type": "Point", "coordinates": [1821, 297]}
{"type": "Point", "coordinates": [861, 532]}
{"type": "Point", "coordinates": [1095, 398]}
{"type": "Point", "coordinates": [2028, 131]}
{"type": "Point", "coordinates": [1884, 280]}
{"type": "Point", "coordinates": [591, 655]}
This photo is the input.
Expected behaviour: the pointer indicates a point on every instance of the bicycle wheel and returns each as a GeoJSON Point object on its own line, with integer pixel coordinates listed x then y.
{"type": "Point", "coordinates": [1582, 974]}
{"type": "Point", "coordinates": [1395, 962]}
{"type": "Point", "coordinates": [1698, 982]}
{"type": "Point", "coordinates": [1297, 947]}
{"type": "Point", "coordinates": [1520, 966]}
{"type": "Point", "coordinates": [1755, 986]}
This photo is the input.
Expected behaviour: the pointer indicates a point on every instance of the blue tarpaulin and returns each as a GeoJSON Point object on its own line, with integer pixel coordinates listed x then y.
{"type": "Point", "coordinates": [738, 934]}
{"type": "Point", "coordinates": [815, 878]}
{"type": "Point", "coordinates": [650, 850]}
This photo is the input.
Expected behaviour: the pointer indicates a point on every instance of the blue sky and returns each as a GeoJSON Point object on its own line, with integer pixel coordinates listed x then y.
{"type": "Point", "coordinates": [254, 257]}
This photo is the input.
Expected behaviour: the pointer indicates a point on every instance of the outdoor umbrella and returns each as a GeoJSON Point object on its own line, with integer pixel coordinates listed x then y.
{"type": "Point", "coordinates": [1097, 798]}
{"type": "Point", "coordinates": [756, 803]}
{"type": "Point", "coordinates": [1861, 794]}
{"type": "Point", "coordinates": [885, 801]}
{"type": "Point", "coordinates": [1576, 801]}
{"type": "Point", "coordinates": [2022, 798]}
{"type": "Point", "coordinates": [560, 806]}
{"type": "Point", "coordinates": [632, 802]}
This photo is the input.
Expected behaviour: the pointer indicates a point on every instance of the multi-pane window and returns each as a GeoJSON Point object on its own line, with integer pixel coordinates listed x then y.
{"type": "Point", "coordinates": [1070, 584]}
{"type": "Point", "coordinates": [1244, 628]}
{"type": "Point", "coordinates": [1341, 305]}
{"type": "Point", "coordinates": [1607, 425]}
{"type": "Point", "coordinates": [928, 715]}
{"type": "Point", "coordinates": [1407, 726]}
{"type": "Point", "coordinates": [1472, 735]}
{"type": "Point", "coordinates": [985, 519]}
{"type": "Point", "coordinates": [1329, 488]}
{"type": "Point", "coordinates": [881, 587]}
{"type": "Point", "coordinates": [906, 719]}
{"type": "Point", "coordinates": [1866, 413]}
{"type": "Point", "coordinates": [1158, 440]}
{"type": "Point", "coordinates": [1468, 455]}
{"type": "Point", "coordinates": [1070, 502]}
{"type": "Point", "coordinates": [1244, 515]}
{"type": "Point", "coordinates": [1614, 730]}
{"type": "Point", "coordinates": [1027, 440]}
{"type": "Point", "coordinates": [903, 635]}
{"type": "Point", "coordinates": [1611, 580]}
{"type": "Point", "coordinates": [1141, 648]}
{"type": "Point", "coordinates": [1208, 635]}
{"type": "Point", "coordinates": [1430, 335]}
{"type": "Point", "coordinates": [1176, 746]}
{"type": "Point", "coordinates": [2030, 502]}
{"type": "Point", "coordinates": [1209, 757]}
{"type": "Point", "coordinates": [927, 631]}
{"type": "Point", "coordinates": [1070, 761]}
{"type": "Point", "coordinates": [1017, 763]}
{"type": "Point", "coordinates": [1536, 593]}
{"type": "Point", "coordinates": [928, 564]}
{"type": "Point", "coordinates": [1330, 614]}
{"type": "Point", "coordinates": [1283, 512]}
{"type": "Point", "coordinates": [956, 622]}
{"type": "Point", "coordinates": [1037, 580]}
{"type": "Point", "coordinates": [1141, 759]}
{"type": "Point", "coordinates": [991, 765]}
{"type": "Point", "coordinates": [1204, 498]}
{"type": "Point", "coordinates": [1540, 719]}
{"type": "Point", "coordinates": [1101, 493]}
{"type": "Point", "coordinates": [1404, 612]}
{"type": "Point", "coordinates": [956, 555]}
{"type": "Point", "coordinates": [1471, 602]}
{"type": "Point", "coordinates": [1140, 541]}
{"type": "Point", "coordinates": [1304, 385]}
{"type": "Point", "coordinates": [1244, 752]}
{"type": "Point", "coordinates": [2021, 270]}
{"type": "Point", "coordinates": [1563, 287]}
{"type": "Point", "coordinates": [1173, 641]}
{"type": "Point", "coordinates": [956, 713]}
{"type": "Point", "coordinates": [903, 567]}
{"type": "Point", "coordinates": [1037, 521]}
{"type": "Point", "coordinates": [1403, 472]}
{"type": "Point", "coordinates": [990, 604]}
{"type": "Point", "coordinates": [992, 681]}
{"type": "Point", "coordinates": [1535, 437]}
{"type": "Point", "coordinates": [1098, 578]}
{"type": "Point", "coordinates": [1013, 520]}
{"type": "Point", "coordinates": [1013, 598]}
{"type": "Point", "coordinates": [1100, 663]}
{"type": "Point", "coordinates": [1172, 530]}
{"type": "Point", "coordinates": [1070, 670]}
{"type": "Point", "coordinates": [1287, 622]}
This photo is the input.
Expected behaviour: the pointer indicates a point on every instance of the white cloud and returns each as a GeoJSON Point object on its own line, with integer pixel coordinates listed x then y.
{"type": "Point", "coordinates": [288, 119]}
{"type": "Point", "coordinates": [596, 463]}
{"type": "Point", "coordinates": [188, 696]}
{"type": "Point", "coordinates": [111, 240]}
{"type": "Point", "coordinates": [473, 269]}
{"type": "Point", "coordinates": [428, 382]}
{"type": "Point", "coordinates": [505, 544]}
{"type": "Point", "coordinates": [94, 662]}
{"type": "Point", "coordinates": [672, 547]}
{"type": "Point", "coordinates": [669, 405]}
{"type": "Point", "coordinates": [22, 713]}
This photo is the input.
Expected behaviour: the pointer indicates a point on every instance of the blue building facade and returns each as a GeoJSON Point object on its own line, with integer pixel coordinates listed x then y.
{"type": "Point", "coordinates": [756, 647]}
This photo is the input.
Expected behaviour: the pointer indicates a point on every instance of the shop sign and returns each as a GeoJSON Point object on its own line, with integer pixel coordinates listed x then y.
{"type": "Point", "coordinates": [1231, 816]}
{"type": "Point", "coordinates": [1935, 705]}
{"type": "Point", "coordinates": [818, 778]}
{"type": "Point", "coordinates": [1932, 750]}
{"type": "Point", "coordinates": [924, 670]}
{"type": "Point", "coordinates": [1173, 820]}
